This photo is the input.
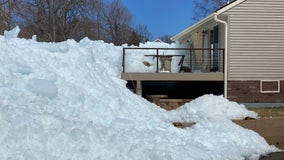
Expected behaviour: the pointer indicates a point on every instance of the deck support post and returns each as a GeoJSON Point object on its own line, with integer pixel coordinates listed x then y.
{"type": "Point", "coordinates": [139, 88]}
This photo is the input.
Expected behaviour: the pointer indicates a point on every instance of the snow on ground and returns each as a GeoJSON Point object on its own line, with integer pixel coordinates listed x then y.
{"type": "Point", "coordinates": [66, 101]}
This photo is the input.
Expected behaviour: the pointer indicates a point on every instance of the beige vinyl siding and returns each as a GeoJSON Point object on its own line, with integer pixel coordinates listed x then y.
{"type": "Point", "coordinates": [256, 40]}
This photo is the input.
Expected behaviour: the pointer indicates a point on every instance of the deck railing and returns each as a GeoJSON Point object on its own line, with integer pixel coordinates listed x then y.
{"type": "Point", "coordinates": [193, 59]}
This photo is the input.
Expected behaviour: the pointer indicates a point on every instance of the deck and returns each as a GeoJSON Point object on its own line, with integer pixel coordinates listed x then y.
{"type": "Point", "coordinates": [172, 64]}
{"type": "Point", "coordinates": [185, 76]}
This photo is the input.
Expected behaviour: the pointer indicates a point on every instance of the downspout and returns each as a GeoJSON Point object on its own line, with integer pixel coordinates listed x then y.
{"type": "Point", "coordinates": [225, 54]}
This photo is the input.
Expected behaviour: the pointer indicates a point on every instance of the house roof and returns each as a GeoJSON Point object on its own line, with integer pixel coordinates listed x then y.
{"type": "Point", "coordinates": [157, 40]}
{"type": "Point", "coordinates": [188, 31]}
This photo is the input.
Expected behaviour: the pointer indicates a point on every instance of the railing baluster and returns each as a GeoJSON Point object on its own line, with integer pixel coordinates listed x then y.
{"type": "Point", "coordinates": [190, 60]}
{"type": "Point", "coordinates": [123, 60]}
{"type": "Point", "coordinates": [157, 70]}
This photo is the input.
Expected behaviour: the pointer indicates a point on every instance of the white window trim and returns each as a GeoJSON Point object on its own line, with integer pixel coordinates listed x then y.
{"type": "Point", "coordinates": [276, 91]}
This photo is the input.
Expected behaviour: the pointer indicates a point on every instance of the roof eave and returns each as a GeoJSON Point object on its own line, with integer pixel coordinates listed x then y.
{"type": "Point", "coordinates": [229, 6]}
{"type": "Point", "coordinates": [192, 28]}
{"type": "Point", "coordinates": [187, 31]}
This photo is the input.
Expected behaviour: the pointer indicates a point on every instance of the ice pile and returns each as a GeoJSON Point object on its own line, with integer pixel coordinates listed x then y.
{"type": "Point", "coordinates": [210, 108]}
{"type": "Point", "coordinates": [66, 101]}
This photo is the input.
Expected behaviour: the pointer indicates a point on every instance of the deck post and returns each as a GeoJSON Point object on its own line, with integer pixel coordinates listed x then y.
{"type": "Point", "coordinates": [190, 59]}
{"type": "Point", "coordinates": [157, 61]}
{"type": "Point", "coordinates": [139, 88]}
{"type": "Point", "coordinates": [123, 60]}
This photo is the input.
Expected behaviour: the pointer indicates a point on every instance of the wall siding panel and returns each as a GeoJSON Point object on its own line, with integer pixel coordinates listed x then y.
{"type": "Point", "coordinates": [256, 40]}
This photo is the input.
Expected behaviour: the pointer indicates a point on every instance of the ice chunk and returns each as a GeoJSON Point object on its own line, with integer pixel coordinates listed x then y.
{"type": "Point", "coordinates": [42, 87]}
{"type": "Point", "coordinates": [21, 68]}
{"type": "Point", "coordinates": [34, 37]}
{"type": "Point", "coordinates": [60, 48]}
{"type": "Point", "coordinates": [76, 135]}
{"type": "Point", "coordinates": [121, 123]}
{"type": "Point", "coordinates": [12, 33]}
{"type": "Point", "coordinates": [175, 66]}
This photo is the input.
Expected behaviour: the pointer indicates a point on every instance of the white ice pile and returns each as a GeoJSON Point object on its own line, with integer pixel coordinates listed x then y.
{"type": "Point", "coordinates": [209, 108]}
{"type": "Point", "coordinates": [66, 101]}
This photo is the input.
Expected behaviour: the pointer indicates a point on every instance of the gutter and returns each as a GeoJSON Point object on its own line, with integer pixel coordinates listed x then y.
{"type": "Point", "coordinates": [225, 54]}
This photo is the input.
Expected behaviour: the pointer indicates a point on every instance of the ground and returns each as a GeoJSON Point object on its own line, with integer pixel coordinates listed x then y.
{"type": "Point", "coordinates": [269, 112]}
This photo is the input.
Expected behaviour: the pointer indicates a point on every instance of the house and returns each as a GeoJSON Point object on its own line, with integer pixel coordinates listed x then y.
{"type": "Point", "coordinates": [237, 51]}
{"type": "Point", "coordinates": [158, 40]}
{"type": "Point", "coordinates": [252, 34]}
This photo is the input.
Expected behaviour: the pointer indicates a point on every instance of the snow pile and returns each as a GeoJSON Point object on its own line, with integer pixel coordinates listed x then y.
{"type": "Point", "coordinates": [66, 101]}
{"type": "Point", "coordinates": [211, 108]}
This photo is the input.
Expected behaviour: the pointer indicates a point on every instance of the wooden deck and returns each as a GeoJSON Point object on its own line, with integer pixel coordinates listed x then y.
{"type": "Point", "coordinates": [196, 64]}
{"type": "Point", "coordinates": [185, 76]}
{"type": "Point", "coordinates": [182, 76]}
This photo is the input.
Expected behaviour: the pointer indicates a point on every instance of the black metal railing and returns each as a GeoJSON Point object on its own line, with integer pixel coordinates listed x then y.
{"type": "Point", "coordinates": [191, 59]}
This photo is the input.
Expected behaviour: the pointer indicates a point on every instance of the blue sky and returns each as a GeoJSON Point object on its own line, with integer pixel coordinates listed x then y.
{"type": "Point", "coordinates": [162, 17]}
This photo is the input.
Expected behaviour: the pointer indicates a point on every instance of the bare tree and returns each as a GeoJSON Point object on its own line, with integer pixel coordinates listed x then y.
{"type": "Point", "coordinates": [51, 20]}
{"type": "Point", "coordinates": [143, 33]}
{"type": "Point", "coordinates": [58, 20]}
{"type": "Point", "coordinates": [205, 7]}
{"type": "Point", "coordinates": [94, 13]}
{"type": "Point", "coordinates": [133, 39]}
{"type": "Point", "coordinates": [166, 38]}
{"type": "Point", "coordinates": [90, 24]}
{"type": "Point", "coordinates": [117, 21]}
{"type": "Point", "coordinates": [6, 14]}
